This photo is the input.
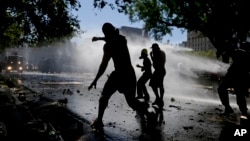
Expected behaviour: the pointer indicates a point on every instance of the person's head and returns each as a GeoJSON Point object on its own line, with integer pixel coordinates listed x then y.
{"type": "Point", "coordinates": [144, 53]}
{"type": "Point", "coordinates": [155, 47]}
{"type": "Point", "coordinates": [108, 29]}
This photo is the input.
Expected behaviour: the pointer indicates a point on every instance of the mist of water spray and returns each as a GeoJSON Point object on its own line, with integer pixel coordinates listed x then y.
{"type": "Point", "coordinates": [180, 79]}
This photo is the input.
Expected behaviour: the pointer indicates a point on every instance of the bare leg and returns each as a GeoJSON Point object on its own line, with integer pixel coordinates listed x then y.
{"type": "Point", "coordinates": [107, 92]}
{"type": "Point", "coordinates": [145, 92]}
{"type": "Point", "coordinates": [162, 92]}
{"type": "Point", "coordinates": [157, 97]}
{"type": "Point", "coordinates": [139, 88]}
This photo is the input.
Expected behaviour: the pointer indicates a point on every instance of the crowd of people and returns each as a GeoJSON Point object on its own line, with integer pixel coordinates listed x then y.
{"type": "Point", "coordinates": [123, 78]}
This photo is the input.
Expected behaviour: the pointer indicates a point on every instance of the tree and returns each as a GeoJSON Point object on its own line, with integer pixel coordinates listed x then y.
{"type": "Point", "coordinates": [37, 21]}
{"type": "Point", "coordinates": [224, 22]}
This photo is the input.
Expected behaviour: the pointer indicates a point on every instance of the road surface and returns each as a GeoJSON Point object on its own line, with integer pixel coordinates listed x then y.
{"type": "Point", "coordinates": [190, 116]}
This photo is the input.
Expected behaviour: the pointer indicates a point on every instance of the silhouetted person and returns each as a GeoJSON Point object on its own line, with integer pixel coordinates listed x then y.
{"type": "Point", "coordinates": [237, 77]}
{"type": "Point", "coordinates": [123, 78]}
{"type": "Point", "coordinates": [156, 82]}
{"type": "Point", "coordinates": [147, 73]}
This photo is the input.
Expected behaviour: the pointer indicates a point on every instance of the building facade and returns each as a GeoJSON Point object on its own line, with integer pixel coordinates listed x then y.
{"type": "Point", "coordinates": [135, 34]}
{"type": "Point", "coordinates": [198, 42]}
{"type": "Point", "coordinates": [133, 31]}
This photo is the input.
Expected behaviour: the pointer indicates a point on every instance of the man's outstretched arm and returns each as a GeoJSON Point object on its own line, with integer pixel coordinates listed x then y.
{"type": "Point", "coordinates": [98, 38]}
{"type": "Point", "coordinates": [102, 68]}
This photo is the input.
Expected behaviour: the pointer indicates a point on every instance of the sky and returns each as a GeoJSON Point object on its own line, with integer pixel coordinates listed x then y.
{"type": "Point", "coordinates": [91, 20]}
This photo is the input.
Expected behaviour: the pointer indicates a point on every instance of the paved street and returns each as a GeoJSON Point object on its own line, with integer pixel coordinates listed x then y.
{"type": "Point", "coordinates": [64, 101]}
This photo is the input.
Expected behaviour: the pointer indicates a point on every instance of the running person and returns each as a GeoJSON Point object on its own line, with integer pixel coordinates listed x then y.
{"type": "Point", "coordinates": [123, 78]}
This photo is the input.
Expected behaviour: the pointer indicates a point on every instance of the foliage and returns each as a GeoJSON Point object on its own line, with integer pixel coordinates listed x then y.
{"type": "Point", "coordinates": [224, 22]}
{"type": "Point", "coordinates": [37, 21]}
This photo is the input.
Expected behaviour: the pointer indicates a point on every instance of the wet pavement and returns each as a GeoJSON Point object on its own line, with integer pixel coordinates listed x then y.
{"type": "Point", "coordinates": [59, 107]}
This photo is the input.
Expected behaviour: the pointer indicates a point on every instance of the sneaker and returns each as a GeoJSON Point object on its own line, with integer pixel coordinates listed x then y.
{"type": "Point", "coordinates": [244, 119]}
{"type": "Point", "coordinates": [244, 115]}
{"type": "Point", "coordinates": [97, 125]}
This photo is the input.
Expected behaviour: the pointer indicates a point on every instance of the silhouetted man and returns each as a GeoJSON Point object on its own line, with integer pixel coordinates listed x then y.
{"type": "Point", "coordinates": [159, 59]}
{"type": "Point", "coordinates": [147, 73]}
{"type": "Point", "coordinates": [123, 78]}
{"type": "Point", "coordinates": [236, 77]}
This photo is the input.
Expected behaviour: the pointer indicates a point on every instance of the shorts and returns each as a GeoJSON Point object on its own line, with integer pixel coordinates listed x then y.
{"type": "Point", "coordinates": [157, 78]}
{"type": "Point", "coordinates": [123, 82]}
